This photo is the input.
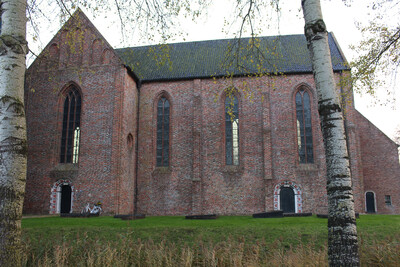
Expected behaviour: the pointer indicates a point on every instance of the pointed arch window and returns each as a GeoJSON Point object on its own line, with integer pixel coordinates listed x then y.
{"type": "Point", "coordinates": [163, 114]}
{"type": "Point", "coordinates": [232, 130]}
{"type": "Point", "coordinates": [304, 129]}
{"type": "Point", "coordinates": [71, 126]}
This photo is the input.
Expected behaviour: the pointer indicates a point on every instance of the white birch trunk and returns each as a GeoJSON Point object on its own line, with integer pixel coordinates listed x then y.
{"type": "Point", "coordinates": [342, 231]}
{"type": "Point", "coordinates": [13, 147]}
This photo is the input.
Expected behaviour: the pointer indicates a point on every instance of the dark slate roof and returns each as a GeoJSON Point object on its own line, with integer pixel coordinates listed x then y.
{"type": "Point", "coordinates": [215, 58]}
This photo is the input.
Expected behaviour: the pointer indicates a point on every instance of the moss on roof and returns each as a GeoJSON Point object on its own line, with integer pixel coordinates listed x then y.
{"type": "Point", "coordinates": [205, 59]}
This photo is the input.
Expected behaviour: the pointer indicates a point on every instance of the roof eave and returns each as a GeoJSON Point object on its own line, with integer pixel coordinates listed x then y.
{"type": "Point", "coordinates": [235, 76]}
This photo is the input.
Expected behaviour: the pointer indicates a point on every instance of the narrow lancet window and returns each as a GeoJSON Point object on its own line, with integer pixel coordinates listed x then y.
{"type": "Point", "coordinates": [163, 108]}
{"type": "Point", "coordinates": [304, 129]}
{"type": "Point", "coordinates": [71, 127]}
{"type": "Point", "coordinates": [232, 131]}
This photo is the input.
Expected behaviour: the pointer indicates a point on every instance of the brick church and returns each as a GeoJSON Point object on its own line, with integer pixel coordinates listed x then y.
{"type": "Point", "coordinates": [161, 130]}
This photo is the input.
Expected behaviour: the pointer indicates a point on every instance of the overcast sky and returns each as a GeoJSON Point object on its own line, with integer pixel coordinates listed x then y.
{"type": "Point", "coordinates": [339, 19]}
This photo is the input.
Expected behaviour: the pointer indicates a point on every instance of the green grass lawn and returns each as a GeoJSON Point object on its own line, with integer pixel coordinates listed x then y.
{"type": "Point", "coordinates": [177, 229]}
{"type": "Point", "coordinates": [41, 235]}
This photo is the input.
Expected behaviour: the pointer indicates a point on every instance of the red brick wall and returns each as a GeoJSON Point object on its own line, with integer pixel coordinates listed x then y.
{"type": "Point", "coordinates": [127, 148]}
{"type": "Point", "coordinates": [108, 115]}
{"type": "Point", "coordinates": [198, 181]}
{"type": "Point", "coordinates": [381, 169]}
{"type": "Point", "coordinates": [116, 119]}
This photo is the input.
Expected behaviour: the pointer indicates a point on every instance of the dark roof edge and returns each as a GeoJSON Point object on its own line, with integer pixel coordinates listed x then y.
{"type": "Point", "coordinates": [132, 74]}
{"type": "Point", "coordinates": [220, 76]}
{"type": "Point", "coordinates": [340, 51]}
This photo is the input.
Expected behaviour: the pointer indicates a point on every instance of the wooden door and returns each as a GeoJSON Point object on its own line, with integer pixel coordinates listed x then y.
{"type": "Point", "coordinates": [370, 202]}
{"type": "Point", "coordinates": [287, 200]}
{"type": "Point", "coordinates": [65, 206]}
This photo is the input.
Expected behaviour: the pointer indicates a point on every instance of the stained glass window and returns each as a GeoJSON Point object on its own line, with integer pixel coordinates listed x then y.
{"type": "Point", "coordinates": [71, 127]}
{"type": "Point", "coordinates": [232, 131]}
{"type": "Point", "coordinates": [162, 155]}
{"type": "Point", "coordinates": [304, 129]}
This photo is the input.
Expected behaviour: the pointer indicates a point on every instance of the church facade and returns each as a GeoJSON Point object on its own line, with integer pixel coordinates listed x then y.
{"type": "Point", "coordinates": [162, 130]}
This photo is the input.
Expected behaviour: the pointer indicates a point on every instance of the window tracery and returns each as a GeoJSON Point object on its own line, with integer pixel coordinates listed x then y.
{"type": "Point", "coordinates": [232, 130]}
{"type": "Point", "coordinates": [304, 127]}
{"type": "Point", "coordinates": [163, 120]}
{"type": "Point", "coordinates": [71, 126]}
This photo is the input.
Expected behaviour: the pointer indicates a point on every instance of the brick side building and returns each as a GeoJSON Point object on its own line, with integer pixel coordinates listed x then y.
{"type": "Point", "coordinates": [154, 130]}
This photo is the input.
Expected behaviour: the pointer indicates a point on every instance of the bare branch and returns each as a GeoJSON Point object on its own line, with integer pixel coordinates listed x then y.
{"type": "Point", "coordinates": [120, 19]}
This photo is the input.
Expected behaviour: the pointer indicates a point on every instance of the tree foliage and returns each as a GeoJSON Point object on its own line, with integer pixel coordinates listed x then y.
{"type": "Point", "coordinates": [379, 50]}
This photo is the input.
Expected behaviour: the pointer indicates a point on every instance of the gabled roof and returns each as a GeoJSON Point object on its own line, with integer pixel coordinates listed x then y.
{"type": "Point", "coordinates": [78, 20]}
{"type": "Point", "coordinates": [215, 58]}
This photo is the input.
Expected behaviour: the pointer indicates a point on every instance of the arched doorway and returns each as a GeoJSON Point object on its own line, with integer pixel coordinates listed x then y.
{"type": "Point", "coordinates": [288, 197]}
{"type": "Point", "coordinates": [65, 203]}
{"type": "Point", "coordinates": [370, 202]}
{"type": "Point", "coordinates": [62, 197]}
{"type": "Point", "coordinates": [287, 200]}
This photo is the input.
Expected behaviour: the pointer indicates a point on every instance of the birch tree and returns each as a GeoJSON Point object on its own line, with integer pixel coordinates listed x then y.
{"type": "Point", "coordinates": [13, 147]}
{"type": "Point", "coordinates": [343, 246]}
{"type": "Point", "coordinates": [342, 231]}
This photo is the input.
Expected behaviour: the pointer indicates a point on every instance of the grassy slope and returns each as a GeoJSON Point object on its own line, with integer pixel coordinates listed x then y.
{"type": "Point", "coordinates": [179, 230]}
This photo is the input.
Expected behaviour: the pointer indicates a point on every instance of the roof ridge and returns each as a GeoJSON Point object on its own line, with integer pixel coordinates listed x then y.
{"type": "Point", "coordinates": [211, 40]}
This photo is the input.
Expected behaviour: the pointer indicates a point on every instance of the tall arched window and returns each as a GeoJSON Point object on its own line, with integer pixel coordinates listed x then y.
{"type": "Point", "coordinates": [71, 126]}
{"type": "Point", "coordinates": [304, 129]}
{"type": "Point", "coordinates": [162, 157]}
{"type": "Point", "coordinates": [232, 130]}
